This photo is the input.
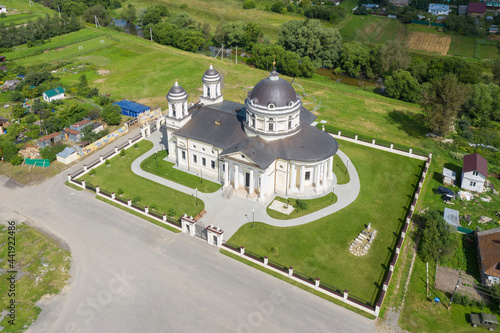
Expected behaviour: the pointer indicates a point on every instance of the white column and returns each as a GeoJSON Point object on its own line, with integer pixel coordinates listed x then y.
{"type": "Point", "coordinates": [324, 173]}
{"type": "Point", "coordinates": [252, 185]}
{"type": "Point", "coordinates": [317, 171]}
{"type": "Point", "coordinates": [236, 180]}
{"type": "Point", "coordinates": [293, 180]}
{"type": "Point", "coordinates": [329, 168]}
{"type": "Point", "coordinates": [263, 186]}
{"type": "Point", "coordinates": [226, 173]}
{"type": "Point", "coordinates": [302, 176]}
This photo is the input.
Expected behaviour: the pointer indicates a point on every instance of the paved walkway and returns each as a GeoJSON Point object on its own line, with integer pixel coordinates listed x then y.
{"type": "Point", "coordinates": [231, 214]}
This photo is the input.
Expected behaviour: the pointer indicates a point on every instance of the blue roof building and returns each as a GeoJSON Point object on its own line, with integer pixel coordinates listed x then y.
{"type": "Point", "coordinates": [131, 109]}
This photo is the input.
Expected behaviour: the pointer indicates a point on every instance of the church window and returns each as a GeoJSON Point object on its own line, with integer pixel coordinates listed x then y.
{"type": "Point", "coordinates": [212, 164]}
{"type": "Point", "coordinates": [308, 175]}
{"type": "Point", "coordinates": [173, 110]}
{"type": "Point", "coordinates": [271, 124]}
{"type": "Point", "coordinates": [208, 91]}
{"type": "Point", "coordinates": [289, 124]}
{"type": "Point", "coordinates": [183, 154]}
{"type": "Point", "coordinates": [253, 122]}
{"type": "Point", "coordinates": [195, 158]}
{"type": "Point", "coordinates": [203, 149]}
{"type": "Point", "coordinates": [203, 161]}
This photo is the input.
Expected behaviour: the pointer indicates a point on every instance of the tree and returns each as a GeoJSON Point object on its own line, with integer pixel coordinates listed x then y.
{"type": "Point", "coordinates": [436, 236]}
{"type": "Point", "coordinates": [311, 39]}
{"type": "Point", "coordinates": [190, 40]}
{"type": "Point", "coordinates": [248, 4]}
{"type": "Point", "coordinates": [356, 58]}
{"type": "Point", "coordinates": [9, 150]}
{"type": "Point", "coordinates": [465, 71]}
{"type": "Point", "coordinates": [393, 56]}
{"type": "Point", "coordinates": [129, 14]}
{"type": "Point", "coordinates": [97, 11]}
{"type": "Point", "coordinates": [442, 101]}
{"type": "Point", "coordinates": [231, 33]}
{"type": "Point", "coordinates": [287, 62]}
{"type": "Point", "coordinates": [83, 84]}
{"type": "Point", "coordinates": [483, 104]}
{"type": "Point", "coordinates": [401, 85]}
{"type": "Point", "coordinates": [496, 71]}
{"type": "Point", "coordinates": [111, 114]}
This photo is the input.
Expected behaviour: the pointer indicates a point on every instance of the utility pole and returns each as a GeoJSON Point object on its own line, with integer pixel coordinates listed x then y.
{"type": "Point", "coordinates": [222, 52]}
{"type": "Point", "coordinates": [59, 10]}
{"type": "Point", "coordinates": [236, 54]}
{"type": "Point", "coordinates": [97, 22]}
{"type": "Point", "coordinates": [427, 274]}
{"type": "Point", "coordinates": [453, 295]}
{"type": "Point", "coordinates": [151, 33]}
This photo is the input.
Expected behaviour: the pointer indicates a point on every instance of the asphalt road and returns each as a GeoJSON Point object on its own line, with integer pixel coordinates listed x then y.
{"type": "Point", "coordinates": [129, 275]}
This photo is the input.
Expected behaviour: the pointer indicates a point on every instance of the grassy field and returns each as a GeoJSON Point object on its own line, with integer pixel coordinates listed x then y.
{"type": "Point", "coordinates": [166, 170]}
{"type": "Point", "coordinates": [19, 11]}
{"type": "Point", "coordinates": [31, 175]}
{"type": "Point", "coordinates": [320, 248]}
{"type": "Point", "coordinates": [42, 267]}
{"type": "Point", "coordinates": [372, 29]}
{"type": "Point", "coordinates": [311, 204]}
{"type": "Point", "coordinates": [225, 11]}
{"type": "Point", "coordinates": [119, 175]}
{"type": "Point", "coordinates": [340, 170]}
{"type": "Point", "coordinates": [462, 46]}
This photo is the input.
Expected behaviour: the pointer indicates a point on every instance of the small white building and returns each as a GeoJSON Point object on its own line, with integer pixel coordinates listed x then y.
{"type": "Point", "coordinates": [449, 177]}
{"type": "Point", "coordinates": [67, 156]}
{"type": "Point", "coordinates": [53, 94]}
{"type": "Point", "coordinates": [438, 9]}
{"type": "Point", "coordinates": [3, 9]}
{"type": "Point", "coordinates": [474, 173]}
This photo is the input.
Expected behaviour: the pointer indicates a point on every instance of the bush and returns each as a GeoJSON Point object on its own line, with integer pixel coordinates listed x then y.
{"type": "Point", "coordinates": [119, 191]}
{"type": "Point", "coordinates": [137, 199]}
{"type": "Point", "coordinates": [49, 153]}
{"type": "Point", "coordinates": [248, 4]}
{"type": "Point", "coordinates": [153, 207]}
{"type": "Point", "coordinates": [301, 204]}
{"type": "Point", "coordinates": [171, 212]}
{"type": "Point", "coordinates": [16, 160]}
{"type": "Point", "coordinates": [122, 152]}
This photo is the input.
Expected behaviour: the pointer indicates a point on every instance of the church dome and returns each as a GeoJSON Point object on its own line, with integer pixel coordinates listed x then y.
{"type": "Point", "coordinates": [211, 75]}
{"type": "Point", "coordinates": [176, 93]}
{"type": "Point", "coordinates": [273, 90]}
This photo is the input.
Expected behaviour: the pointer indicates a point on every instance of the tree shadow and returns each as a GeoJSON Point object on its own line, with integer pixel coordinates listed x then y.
{"type": "Point", "coordinates": [409, 122]}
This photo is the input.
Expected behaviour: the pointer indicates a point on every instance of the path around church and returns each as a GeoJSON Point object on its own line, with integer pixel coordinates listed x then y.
{"type": "Point", "coordinates": [131, 276]}
{"type": "Point", "coordinates": [231, 214]}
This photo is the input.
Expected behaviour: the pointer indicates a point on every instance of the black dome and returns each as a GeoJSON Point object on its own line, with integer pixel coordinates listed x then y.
{"type": "Point", "coordinates": [211, 72]}
{"type": "Point", "coordinates": [176, 92]}
{"type": "Point", "coordinates": [276, 91]}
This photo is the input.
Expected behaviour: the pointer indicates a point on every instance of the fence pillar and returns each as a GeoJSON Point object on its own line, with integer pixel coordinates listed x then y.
{"type": "Point", "coordinates": [83, 184]}
{"type": "Point", "coordinates": [316, 284]}
{"type": "Point", "coordinates": [430, 156]}
{"type": "Point", "coordinates": [397, 250]}
{"type": "Point", "coordinates": [85, 167]}
{"type": "Point", "coordinates": [101, 158]}
{"type": "Point", "coordinates": [242, 250]}
{"type": "Point", "coordinates": [113, 195]}
{"type": "Point", "coordinates": [129, 141]}
{"type": "Point", "coordinates": [146, 209]}
{"type": "Point", "coordinates": [129, 202]}
{"type": "Point", "coordinates": [377, 310]}
{"type": "Point", "coordinates": [373, 142]}
{"type": "Point", "coordinates": [116, 149]}
{"type": "Point", "coordinates": [340, 133]}
{"type": "Point", "coordinates": [391, 267]}
{"type": "Point", "coordinates": [165, 218]}
{"type": "Point", "coordinates": [410, 152]}
{"type": "Point", "coordinates": [346, 294]}
{"type": "Point", "coordinates": [392, 146]}
{"type": "Point", "coordinates": [214, 235]}
{"type": "Point", "coordinates": [385, 286]}
{"type": "Point", "coordinates": [69, 177]}
{"type": "Point", "coordinates": [188, 224]}
{"type": "Point", "coordinates": [266, 260]}
{"type": "Point", "coordinates": [356, 137]}
{"type": "Point", "coordinates": [97, 189]}
{"type": "Point", "coordinates": [323, 127]}
{"type": "Point", "coordinates": [290, 271]}
{"type": "Point", "coordinates": [143, 132]}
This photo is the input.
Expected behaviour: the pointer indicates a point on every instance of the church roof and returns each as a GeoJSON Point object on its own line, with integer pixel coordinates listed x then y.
{"type": "Point", "coordinates": [176, 93]}
{"type": "Point", "coordinates": [211, 75]}
{"type": "Point", "coordinates": [273, 90]}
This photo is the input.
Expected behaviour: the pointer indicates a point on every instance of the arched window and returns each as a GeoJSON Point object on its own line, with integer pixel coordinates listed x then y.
{"type": "Point", "coordinates": [271, 124]}
{"type": "Point", "coordinates": [173, 110]}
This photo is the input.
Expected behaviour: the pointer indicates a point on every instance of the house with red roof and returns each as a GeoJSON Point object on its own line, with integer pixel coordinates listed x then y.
{"type": "Point", "coordinates": [488, 253]}
{"type": "Point", "coordinates": [474, 173]}
{"type": "Point", "coordinates": [476, 9]}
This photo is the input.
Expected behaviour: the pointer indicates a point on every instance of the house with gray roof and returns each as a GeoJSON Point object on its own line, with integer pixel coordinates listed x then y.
{"type": "Point", "coordinates": [438, 9]}
{"type": "Point", "coordinates": [263, 147]}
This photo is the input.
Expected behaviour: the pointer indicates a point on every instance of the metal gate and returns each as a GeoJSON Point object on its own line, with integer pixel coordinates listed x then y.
{"type": "Point", "coordinates": [200, 231]}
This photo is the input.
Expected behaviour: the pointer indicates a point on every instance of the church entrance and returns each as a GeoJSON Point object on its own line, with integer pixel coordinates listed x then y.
{"type": "Point", "coordinates": [247, 179]}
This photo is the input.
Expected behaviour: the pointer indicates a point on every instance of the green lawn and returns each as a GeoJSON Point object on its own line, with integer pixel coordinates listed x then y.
{"type": "Point", "coordinates": [119, 175]}
{"type": "Point", "coordinates": [23, 12]}
{"type": "Point", "coordinates": [320, 248]}
{"type": "Point", "coordinates": [312, 205]}
{"type": "Point", "coordinates": [166, 170]}
{"type": "Point", "coordinates": [462, 46]}
{"type": "Point", "coordinates": [340, 170]}
{"type": "Point", "coordinates": [39, 258]}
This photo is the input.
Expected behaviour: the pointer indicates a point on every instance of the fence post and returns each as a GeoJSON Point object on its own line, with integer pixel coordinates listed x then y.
{"type": "Point", "coordinates": [97, 189]}
{"type": "Point", "coordinates": [146, 209]}
{"type": "Point", "coordinates": [266, 260]}
{"type": "Point", "coordinates": [242, 250]}
{"type": "Point", "coordinates": [356, 137]}
{"type": "Point", "coordinates": [165, 218]}
{"type": "Point", "coordinates": [340, 133]}
{"type": "Point", "coordinates": [129, 141]}
{"type": "Point", "coordinates": [116, 149]}
{"type": "Point", "coordinates": [83, 184]}
{"type": "Point", "coordinates": [373, 142]}
{"type": "Point", "coordinates": [85, 167]}
{"type": "Point", "coordinates": [323, 127]}
{"type": "Point", "coordinates": [113, 195]}
{"type": "Point", "coordinates": [346, 294]}
{"type": "Point", "coordinates": [392, 146]}
{"type": "Point", "coordinates": [410, 152]}
{"type": "Point", "coordinates": [316, 284]}
{"type": "Point", "coordinates": [69, 177]}
{"type": "Point", "coordinates": [101, 158]}
{"type": "Point", "coordinates": [377, 310]}
{"type": "Point", "coordinates": [129, 202]}
{"type": "Point", "coordinates": [290, 271]}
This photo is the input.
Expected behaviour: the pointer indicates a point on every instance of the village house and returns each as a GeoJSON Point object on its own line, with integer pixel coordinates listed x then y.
{"type": "Point", "coordinates": [49, 140]}
{"type": "Point", "coordinates": [399, 3]}
{"type": "Point", "coordinates": [265, 147]}
{"type": "Point", "coordinates": [3, 9]}
{"type": "Point", "coordinates": [488, 253]}
{"type": "Point", "coordinates": [476, 9]}
{"type": "Point", "coordinates": [53, 94]}
{"type": "Point", "coordinates": [492, 3]}
{"type": "Point", "coordinates": [10, 85]}
{"type": "Point", "coordinates": [474, 173]}
{"type": "Point", "coordinates": [438, 9]}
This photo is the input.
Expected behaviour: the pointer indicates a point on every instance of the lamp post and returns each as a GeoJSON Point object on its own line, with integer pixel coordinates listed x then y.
{"type": "Point", "coordinates": [253, 218]}
{"type": "Point", "coordinates": [156, 158]}
{"type": "Point", "coordinates": [333, 192]}
{"type": "Point", "coordinates": [347, 165]}
{"type": "Point", "coordinates": [196, 195]}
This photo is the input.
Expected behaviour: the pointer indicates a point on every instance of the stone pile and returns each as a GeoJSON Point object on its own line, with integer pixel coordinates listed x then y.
{"type": "Point", "coordinates": [362, 243]}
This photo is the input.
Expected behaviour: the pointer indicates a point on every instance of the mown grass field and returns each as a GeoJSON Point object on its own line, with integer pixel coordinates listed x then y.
{"type": "Point", "coordinates": [462, 46]}
{"type": "Point", "coordinates": [42, 267]}
{"type": "Point", "coordinates": [372, 29]}
{"type": "Point", "coordinates": [312, 205]}
{"type": "Point", "coordinates": [119, 175]}
{"type": "Point", "coordinates": [320, 248]}
{"type": "Point", "coordinates": [23, 12]}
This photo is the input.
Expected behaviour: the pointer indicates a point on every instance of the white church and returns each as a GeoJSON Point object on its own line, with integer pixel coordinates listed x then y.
{"type": "Point", "coordinates": [265, 147]}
